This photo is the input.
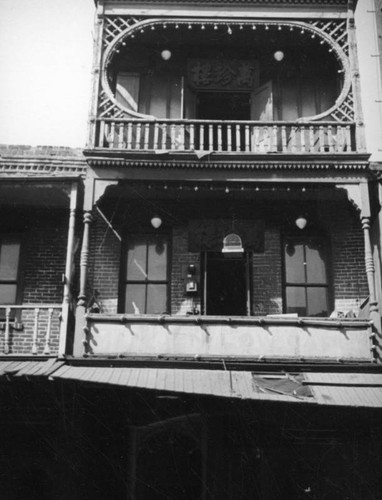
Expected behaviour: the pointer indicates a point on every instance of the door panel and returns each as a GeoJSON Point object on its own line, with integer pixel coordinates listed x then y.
{"type": "Point", "coordinates": [262, 103]}
{"type": "Point", "coordinates": [226, 285]}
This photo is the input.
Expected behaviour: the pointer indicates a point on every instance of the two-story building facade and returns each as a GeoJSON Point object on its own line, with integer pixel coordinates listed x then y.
{"type": "Point", "coordinates": [227, 335]}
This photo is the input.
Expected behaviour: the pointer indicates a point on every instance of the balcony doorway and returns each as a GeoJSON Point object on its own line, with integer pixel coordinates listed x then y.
{"type": "Point", "coordinates": [223, 106]}
{"type": "Point", "coordinates": [226, 285]}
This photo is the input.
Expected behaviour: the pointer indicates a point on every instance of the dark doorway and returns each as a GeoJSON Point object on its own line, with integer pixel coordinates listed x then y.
{"type": "Point", "coordinates": [226, 285]}
{"type": "Point", "coordinates": [223, 106]}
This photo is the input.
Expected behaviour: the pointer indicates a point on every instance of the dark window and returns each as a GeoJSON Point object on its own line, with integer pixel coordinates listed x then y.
{"type": "Point", "coordinates": [146, 274]}
{"type": "Point", "coordinates": [306, 276]}
{"type": "Point", "coordinates": [10, 246]}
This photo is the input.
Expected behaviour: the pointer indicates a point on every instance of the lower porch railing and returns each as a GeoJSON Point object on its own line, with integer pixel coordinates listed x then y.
{"type": "Point", "coordinates": [226, 136]}
{"type": "Point", "coordinates": [254, 338]}
{"type": "Point", "coordinates": [30, 329]}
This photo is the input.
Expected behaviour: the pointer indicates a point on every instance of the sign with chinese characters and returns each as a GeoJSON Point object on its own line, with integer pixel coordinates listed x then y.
{"type": "Point", "coordinates": [217, 74]}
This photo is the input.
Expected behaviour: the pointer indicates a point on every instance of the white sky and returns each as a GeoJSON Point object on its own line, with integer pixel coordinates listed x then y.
{"type": "Point", "coordinates": [45, 71]}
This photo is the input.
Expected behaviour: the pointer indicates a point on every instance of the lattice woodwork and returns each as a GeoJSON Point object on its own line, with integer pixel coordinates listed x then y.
{"type": "Point", "coordinates": [334, 32]}
{"type": "Point", "coordinates": [345, 112]}
{"type": "Point", "coordinates": [115, 25]}
{"type": "Point", "coordinates": [107, 108]}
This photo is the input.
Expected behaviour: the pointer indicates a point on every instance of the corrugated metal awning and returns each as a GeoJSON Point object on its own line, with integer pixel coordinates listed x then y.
{"type": "Point", "coordinates": [227, 384]}
{"type": "Point", "coordinates": [29, 368]}
{"type": "Point", "coordinates": [334, 389]}
{"type": "Point", "coordinates": [346, 389]}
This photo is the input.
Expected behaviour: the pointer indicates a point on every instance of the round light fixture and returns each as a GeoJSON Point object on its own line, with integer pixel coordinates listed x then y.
{"type": "Point", "coordinates": [156, 222]}
{"type": "Point", "coordinates": [278, 55]}
{"type": "Point", "coordinates": [301, 222]}
{"type": "Point", "coordinates": [166, 54]}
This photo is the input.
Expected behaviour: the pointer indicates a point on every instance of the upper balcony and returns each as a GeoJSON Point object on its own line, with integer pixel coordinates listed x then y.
{"type": "Point", "coordinates": [227, 87]}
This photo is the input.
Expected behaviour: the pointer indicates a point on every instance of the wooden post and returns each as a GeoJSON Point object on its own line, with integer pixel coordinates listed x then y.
{"type": "Point", "coordinates": [68, 272]}
{"type": "Point", "coordinates": [358, 195]}
{"type": "Point", "coordinates": [370, 269]}
{"type": "Point", "coordinates": [81, 304]}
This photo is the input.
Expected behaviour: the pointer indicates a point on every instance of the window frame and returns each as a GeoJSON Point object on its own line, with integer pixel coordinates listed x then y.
{"type": "Point", "coordinates": [304, 239]}
{"type": "Point", "coordinates": [146, 282]}
{"type": "Point", "coordinates": [19, 281]}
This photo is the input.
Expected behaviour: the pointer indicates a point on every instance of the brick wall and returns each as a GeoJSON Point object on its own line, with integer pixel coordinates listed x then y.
{"type": "Point", "coordinates": [42, 263]}
{"type": "Point", "coordinates": [105, 252]}
{"type": "Point", "coordinates": [337, 219]}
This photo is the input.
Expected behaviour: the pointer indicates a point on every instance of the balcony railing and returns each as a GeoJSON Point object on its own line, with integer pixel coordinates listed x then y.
{"type": "Point", "coordinates": [226, 136]}
{"type": "Point", "coordinates": [254, 338]}
{"type": "Point", "coordinates": [30, 329]}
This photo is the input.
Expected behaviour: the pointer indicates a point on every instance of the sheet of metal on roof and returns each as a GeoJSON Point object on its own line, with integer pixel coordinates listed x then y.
{"type": "Point", "coordinates": [362, 379]}
{"type": "Point", "coordinates": [346, 389]}
{"type": "Point", "coordinates": [27, 368]}
{"type": "Point", "coordinates": [348, 396]}
{"type": "Point", "coordinates": [231, 384]}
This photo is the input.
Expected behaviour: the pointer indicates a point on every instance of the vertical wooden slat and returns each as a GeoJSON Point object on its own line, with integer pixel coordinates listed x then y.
{"type": "Point", "coordinates": [302, 139]}
{"type": "Point", "coordinates": [48, 331]}
{"type": "Point", "coordinates": [164, 135]}
{"type": "Point", "coordinates": [182, 137]}
{"type": "Point", "coordinates": [138, 137]}
{"type": "Point", "coordinates": [173, 131]}
{"type": "Point", "coordinates": [238, 138]}
{"type": "Point", "coordinates": [311, 138]}
{"type": "Point", "coordinates": [35, 330]}
{"type": "Point", "coordinates": [330, 139]}
{"type": "Point", "coordinates": [7, 328]}
{"type": "Point", "coordinates": [102, 136]}
{"type": "Point", "coordinates": [129, 135]}
{"type": "Point", "coordinates": [112, 135]}
{"type": "Point", "coordinates": [210, 137]}
{"type": "Point", "coordinates": [146, 136]}
{"type": "Point", "coordinates": [120, 135]}
{"type": "Point", "coordinates": [201, 137]}
{"type": "Point", "coordinates": [229, 137]}
{"type": "Point", "coordinates": [284, 145]}
{"type": "Point", "coordinates": [255, 146]}
{"type": "Point", "coordinates": [321, 135]}
{"type": "Point", "coordinates": [247, 139]}
{"type": "Point", "coordinates": [192, 136]}
{"type": "Point", "coordinates": [348, 138]}
{"type": "Point", "coordinates": [220, 138]}
{"type": "Point", "coordinates": [293, 139]}
{"type": "Point", "coordinates": [274, 139]}
{"type": "Point", "coordinates": [156, 135]}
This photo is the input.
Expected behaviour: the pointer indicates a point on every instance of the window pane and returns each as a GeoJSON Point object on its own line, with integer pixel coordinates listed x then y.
{"type": "Point", "coordinates": [295, 299]}
{"type": "Point", "coordinates": [136, 259]}
{"type": "Point", "coordinates": [157, 262]}
{"type": "Point", "coordinates": [135, 299]}
{"type": "Point", "coordinates": [294, 263]}
{"type": "Point", "coordinates": [156, 299]}
{"type": "Point", "coordinates": [317, 302]}
{"type": "Point", "coordinates": [7, 294]}
{"type": "Point", "coordinates": [315, 264]}
{"type": "Point", "coordinates": [9, 259]}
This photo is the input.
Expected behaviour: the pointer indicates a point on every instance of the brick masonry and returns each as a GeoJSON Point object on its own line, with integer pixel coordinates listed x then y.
{"type": "Point", "coordinates": [339, 221]}
{"type": "Point", "coordinates": [44, 239]}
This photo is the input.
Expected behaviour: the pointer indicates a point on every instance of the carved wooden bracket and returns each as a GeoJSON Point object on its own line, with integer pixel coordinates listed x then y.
{"type": "Point", "coordinates": [358, 195]}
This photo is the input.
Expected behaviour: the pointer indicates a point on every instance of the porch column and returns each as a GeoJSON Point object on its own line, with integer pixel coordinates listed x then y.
{"type": "Point", "coordinates": [68, 272]}
{"type": "Point", "coordinates": [358, 195]}
{"type": "Point", "coordinates": [81, 304]}
{"type": "Point", "coordinates": [370, 269]}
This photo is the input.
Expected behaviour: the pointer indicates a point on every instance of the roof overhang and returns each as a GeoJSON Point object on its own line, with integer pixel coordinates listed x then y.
{"type": "Point", "coordinates": [350, 389]}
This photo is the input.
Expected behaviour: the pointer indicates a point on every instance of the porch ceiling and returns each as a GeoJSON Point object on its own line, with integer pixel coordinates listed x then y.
{"type": "Point", "coordinates": [37, 194]}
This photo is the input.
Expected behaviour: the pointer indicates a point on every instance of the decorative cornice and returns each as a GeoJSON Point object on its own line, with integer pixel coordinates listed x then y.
{"type": "Point", "coordinates": [342, 3]}
{"type": "Point", "coordinates": [42, 167]}
{"type": "Point", "coordinates": [360, 165]}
